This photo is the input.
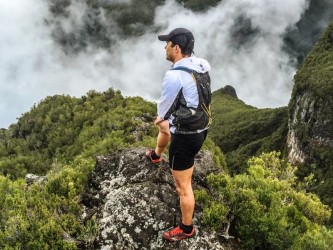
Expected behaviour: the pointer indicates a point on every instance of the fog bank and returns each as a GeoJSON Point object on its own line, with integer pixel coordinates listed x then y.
{"type": "Point", "coordinates": [251, 59]}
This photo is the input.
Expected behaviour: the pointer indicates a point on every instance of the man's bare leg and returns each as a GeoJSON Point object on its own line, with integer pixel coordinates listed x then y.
{"type": "Point", "coordinates": [183, 181]}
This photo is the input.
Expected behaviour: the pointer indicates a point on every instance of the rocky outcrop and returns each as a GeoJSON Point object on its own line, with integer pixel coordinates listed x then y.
{"type": "Point", "coordinates": [31, 179]}
{"type": "Point", "coordinates": [302, 119]}
{"type": "Point", "coordinates": [229, 90]}
{"type": "Point", "coordinates": [135, 202]}
{"type": "Point", "coordinates": [296, 154]}
{"type": "Point", "coordinates": [310, 126]}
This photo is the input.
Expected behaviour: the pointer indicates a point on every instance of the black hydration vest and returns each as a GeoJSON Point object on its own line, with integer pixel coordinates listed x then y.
{"type": "Point", "coordinates": [191, 119]}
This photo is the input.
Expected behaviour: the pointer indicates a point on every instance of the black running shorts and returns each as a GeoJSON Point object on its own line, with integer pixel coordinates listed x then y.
{"type": "Point", "coordinates": [183, 149]}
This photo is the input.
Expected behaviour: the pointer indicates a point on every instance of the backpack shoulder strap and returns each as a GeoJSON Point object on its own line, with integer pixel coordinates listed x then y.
{"type": "Point", "coordinates": [183, 69]}
{"type": "Point", "coordinates": [202, 80]}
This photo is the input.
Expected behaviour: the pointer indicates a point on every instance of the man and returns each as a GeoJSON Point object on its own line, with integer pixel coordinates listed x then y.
{"type": "Point", "coordinates": [183, 115]}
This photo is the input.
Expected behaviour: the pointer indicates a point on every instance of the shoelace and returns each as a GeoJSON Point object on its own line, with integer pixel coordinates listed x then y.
{"type": "Point", "coordinates": [176, 231]}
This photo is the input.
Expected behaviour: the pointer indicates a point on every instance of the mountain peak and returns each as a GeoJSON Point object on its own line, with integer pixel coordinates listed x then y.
{"type": "Point", "coordinates": [229, 90]}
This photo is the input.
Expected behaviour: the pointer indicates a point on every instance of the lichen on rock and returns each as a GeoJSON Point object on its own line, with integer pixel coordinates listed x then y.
{"type": "Point", "coordinates": [136, 201]}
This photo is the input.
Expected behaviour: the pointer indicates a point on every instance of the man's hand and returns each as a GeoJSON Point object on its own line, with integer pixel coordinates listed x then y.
{"type": "Point", "coordinates": [158, 120]}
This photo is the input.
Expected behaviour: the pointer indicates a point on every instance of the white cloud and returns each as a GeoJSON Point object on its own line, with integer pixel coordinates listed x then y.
{"type": "Point", "coordinates": [260, 72]}
{"type": "Point", "coordinates": [33, 66]}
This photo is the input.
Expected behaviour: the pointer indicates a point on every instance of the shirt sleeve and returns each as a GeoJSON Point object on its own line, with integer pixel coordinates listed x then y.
{"type": "Point", "coordinates": [171, 88]}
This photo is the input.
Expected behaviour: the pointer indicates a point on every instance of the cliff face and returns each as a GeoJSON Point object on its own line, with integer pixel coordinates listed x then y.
{"type": "Point", "coordinates": [310, 126]}
{"type": "Point", "coordinates": [311, 105]}
{"type": "Point", "coordinates": [310, 136]}
{"type": "Point", "coordinates": [135, 202]}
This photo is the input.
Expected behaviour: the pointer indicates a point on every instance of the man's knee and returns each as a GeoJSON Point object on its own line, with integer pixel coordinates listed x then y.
{"type": "Point", "coordinates": [183, 189]}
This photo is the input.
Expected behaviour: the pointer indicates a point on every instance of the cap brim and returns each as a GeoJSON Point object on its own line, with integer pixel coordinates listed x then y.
{"type": "Point", "coordinates": [163, 37]}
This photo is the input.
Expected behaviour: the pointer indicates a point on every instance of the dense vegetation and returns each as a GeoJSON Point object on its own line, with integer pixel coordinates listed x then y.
{"type": "Point", "coordinates": [313, 124]}
{"type": "Point", "coordinates": [316, 71]}
{"type": "Point", "coordinates": [60, 137]}
{"type": "Point", "coordinates": [241, 130]}
{"type": "Point", "coordinates": [61, 128]}
{"type": "Point", "coordinates": [46, 216]}
{"type": "Point", "coordinates": [266, 207]}
{"type": "Point", "coordinates": [262, 200]}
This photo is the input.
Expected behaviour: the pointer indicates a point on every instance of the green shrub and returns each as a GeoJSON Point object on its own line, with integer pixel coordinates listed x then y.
{"type": "Point", "coordinates": [266, 206]}
{"type": "Point", "coordinates": [61, 128]}
{"type": "Point", "coordinates": [40, 216]}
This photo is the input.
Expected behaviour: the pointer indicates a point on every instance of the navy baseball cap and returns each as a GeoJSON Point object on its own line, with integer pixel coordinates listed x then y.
{"type": "Point", "coordinates": [182, 37]}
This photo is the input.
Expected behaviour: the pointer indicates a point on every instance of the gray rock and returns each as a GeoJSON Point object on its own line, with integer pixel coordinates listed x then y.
{"type": "Point", "coordinates": [135, 202]}
{"type": "Point", "coordinates": [31, 178]}
{"type": "Point", "coordinates": [310, 126]}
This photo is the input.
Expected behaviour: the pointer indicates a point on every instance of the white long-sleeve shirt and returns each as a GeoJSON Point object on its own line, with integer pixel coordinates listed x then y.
{"type": "Point", "coordinates": [177, 81]}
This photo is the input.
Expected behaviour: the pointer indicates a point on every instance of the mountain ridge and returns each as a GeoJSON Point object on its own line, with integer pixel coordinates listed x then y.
{"type": "Point", "coordinates": [61, 136]}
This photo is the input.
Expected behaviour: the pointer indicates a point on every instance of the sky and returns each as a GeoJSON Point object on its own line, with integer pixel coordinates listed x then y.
{"type": "Point", "coordinates": [33, 66]}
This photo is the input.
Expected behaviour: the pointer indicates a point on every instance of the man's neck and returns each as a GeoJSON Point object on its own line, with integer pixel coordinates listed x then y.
{"type": "Point", "coordinates": [180, 57]}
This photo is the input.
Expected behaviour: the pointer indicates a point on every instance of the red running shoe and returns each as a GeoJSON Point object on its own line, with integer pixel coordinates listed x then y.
{"type": "Point", "coordinates": [177, 234]}
{"type": "Point", "coordinates": [148, 156]}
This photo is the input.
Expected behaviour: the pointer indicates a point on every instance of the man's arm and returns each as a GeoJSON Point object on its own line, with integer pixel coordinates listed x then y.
{"type": "Point", "coordinates": [171, 88]}
{"type": "Point", "coordinates": [163, 137]}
